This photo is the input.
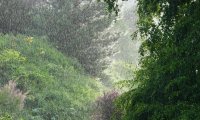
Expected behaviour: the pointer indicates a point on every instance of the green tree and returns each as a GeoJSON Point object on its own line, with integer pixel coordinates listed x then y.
{"type": "Point", "coordinates": [15, 15]}
{"type": "Point", "coordinates": [169, 69]}
{"type": "Point", "coordinates": [78, 29]}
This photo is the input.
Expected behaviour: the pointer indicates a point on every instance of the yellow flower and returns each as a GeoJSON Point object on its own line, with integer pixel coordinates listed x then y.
{"type": "Point", "coordinates": [29, 39]}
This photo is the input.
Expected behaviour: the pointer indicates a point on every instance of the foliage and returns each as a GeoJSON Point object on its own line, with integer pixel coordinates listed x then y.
{"type": "Point", "coordinates": [105, 107]}
{"type": "Point", "coordinates": [169, 75]}
{"type": "Point", "coordinates": [15, 15]}
{"type": "Point", "coordinates": [6, 116]}
{"type": "Point", "coordinates": [11, 100]}
{"type": "Point", "coordinates": [57, 86]}
{"type": "Point", "coordinates": [121, 70]}
{"type": "Point", "coordinates": [111, 6]}
{"type": "Point", "coordinates": [79, 30]}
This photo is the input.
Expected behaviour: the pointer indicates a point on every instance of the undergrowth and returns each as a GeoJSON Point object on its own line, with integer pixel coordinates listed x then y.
{"type": "Point", "coordinates": [56, 85]}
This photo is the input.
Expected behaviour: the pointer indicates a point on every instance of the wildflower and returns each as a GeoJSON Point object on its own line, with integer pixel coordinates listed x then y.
{"type": "Point", "coordinates": [29, 40]}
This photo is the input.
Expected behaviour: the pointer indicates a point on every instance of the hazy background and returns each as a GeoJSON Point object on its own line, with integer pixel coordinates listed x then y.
{"type": "Point", "coordinates": [127, 25]}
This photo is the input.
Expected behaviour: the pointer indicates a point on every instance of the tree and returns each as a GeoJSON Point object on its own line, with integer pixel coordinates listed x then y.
{"type": "Point", "coordinates": [15, 15]}
{"type": "Point", "coordinates": [169, 69]}
{"type": "Point", "coordinates": [78, 29]}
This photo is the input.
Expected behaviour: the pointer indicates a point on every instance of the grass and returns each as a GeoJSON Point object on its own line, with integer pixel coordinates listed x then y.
{"type": "Point", "coordinates": [58, 88]}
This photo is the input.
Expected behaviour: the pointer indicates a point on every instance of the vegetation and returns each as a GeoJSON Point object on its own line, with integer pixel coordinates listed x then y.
{"type": "Point", "coordinates": [105, 107]}
{"type": "Point", "coordinates": [81, 32]}
{"type": "Point", "coordinates": [54, 52]}
{"type": "Point", "coordinates": [48, 76]}
{"type": "Point", "coordinates": [79, 29]}
{"type": "Point", "coordinates": [15, 15]}
{"type": "Point", "coordinates": [51, 85]}
{"type": "Point", "coordinates": [168, 76]}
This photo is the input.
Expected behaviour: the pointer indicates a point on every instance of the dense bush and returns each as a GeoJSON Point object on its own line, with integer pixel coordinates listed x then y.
{"type": "Point", "coordinates": [79, 29]}
{"type": "Point", "coordinates": [15, 15]}
{"type": "Point", "coordinates": [6, 116]}
{"type": "Point", "coordinates": [168, 77]}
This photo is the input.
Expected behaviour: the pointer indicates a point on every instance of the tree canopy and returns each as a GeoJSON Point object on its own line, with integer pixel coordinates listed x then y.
{"type": "Point", "coordinates": [168, 76]}
{"type": "Point", "coordinates": [78, 29]}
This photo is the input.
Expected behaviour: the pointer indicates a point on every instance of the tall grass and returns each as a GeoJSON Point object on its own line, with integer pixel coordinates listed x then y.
{"type": "Point", "coordinates": [58, 87]}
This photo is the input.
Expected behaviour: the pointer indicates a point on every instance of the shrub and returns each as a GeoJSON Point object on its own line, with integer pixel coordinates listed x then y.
{"type": "Point", "coordinates": [11, 99]}
{"type": "Point", "coordinates": [6, 116]}
{"type": "Point", "coordinates": [9, 59]}
{"type": "Point", "coordinates": [106, 108]}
